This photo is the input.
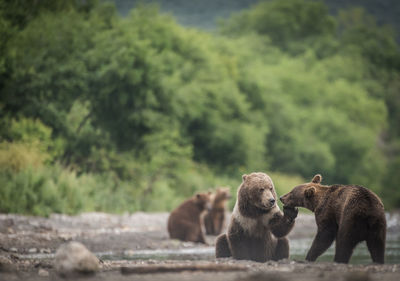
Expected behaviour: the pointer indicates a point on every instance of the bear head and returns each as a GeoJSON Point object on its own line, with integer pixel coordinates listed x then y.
{"type": "Point", "coordinates": [203, 200]}
{"type": "Point", "coordinates": [256, 195]}
{"type": "Point", "coordinates": [303, 195]}
{"type": "Point", "coordinates": [222, 194]}
{"type": "Point", "coordinates": [220, 197]}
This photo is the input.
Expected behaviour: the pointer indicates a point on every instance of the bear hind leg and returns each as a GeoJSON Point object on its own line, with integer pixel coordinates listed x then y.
{"type": "Point", "coordinates": [376, 246]}
{"type": "Point", "coordinates": [345, 245]}
{"type": "Point", "coordinates": [281, 249]}
{"type": "Point", "coordinates": [195, 236]}
{"type": "Point", "coordinates": [222, 249]}
{"type": "Point", "coordinates": [322, 241]}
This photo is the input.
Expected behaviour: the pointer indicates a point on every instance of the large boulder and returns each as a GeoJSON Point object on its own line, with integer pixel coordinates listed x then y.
{"type": "Point", "coordinates": [75, 258]}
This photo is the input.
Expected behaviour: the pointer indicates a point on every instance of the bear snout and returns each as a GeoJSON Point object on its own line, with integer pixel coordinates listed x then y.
{"type": "Point", "coordinates": [282, 198]}
{"type": "Point", "coordinates": [272, 201]}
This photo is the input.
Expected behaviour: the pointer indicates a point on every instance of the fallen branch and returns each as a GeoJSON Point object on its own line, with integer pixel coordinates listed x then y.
{"type": "Point", "coordinates": [178, 268]}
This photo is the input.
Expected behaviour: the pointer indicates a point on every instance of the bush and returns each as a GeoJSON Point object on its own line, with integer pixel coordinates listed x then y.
{"type": "Point", "coordinates": [40, 191]}
{"type": "Point", "coordinates": [15, 157]}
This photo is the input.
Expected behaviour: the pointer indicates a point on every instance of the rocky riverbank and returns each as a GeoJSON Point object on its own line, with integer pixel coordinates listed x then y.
{"type": "Point", "coordinates": [28, 244]}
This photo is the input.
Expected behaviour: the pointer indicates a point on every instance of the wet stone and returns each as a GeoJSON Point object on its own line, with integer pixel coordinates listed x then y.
{"type": "Point", "coordinates": [32, 251]}
{"type": "Point", "coordinates": [43, 273]}
{"type": "Point", "coordinates": [73, 258]}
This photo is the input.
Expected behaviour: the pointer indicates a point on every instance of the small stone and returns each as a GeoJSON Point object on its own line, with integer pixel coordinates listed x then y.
{"type": "Point", "coordinates": [129, 252]}
{"type": "Point", "coordinates": [14, 250]}
{"type": "Point", "coordinates": [32, 251]}
{"type": "Point", "coordinates": [74, 257]}
{"type": "Point", "coordinates": [43, 273]}
{"type": "Point", "coordinates": [45, 251]}
{"type": "Point", "coordinates": [6, 265]}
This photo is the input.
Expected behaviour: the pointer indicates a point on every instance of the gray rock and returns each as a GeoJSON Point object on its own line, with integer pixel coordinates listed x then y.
{"type": "Point", "coordinates": [43, 272]}
{"type": "Point", "coordinates": [32, 251]}
{"type": "Point", "coordinates": [6, 264]}
{"type": "Point", "coordinates": [73, 257]}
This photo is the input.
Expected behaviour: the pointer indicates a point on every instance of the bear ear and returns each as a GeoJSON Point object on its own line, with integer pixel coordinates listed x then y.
{"type": "Point", "coordinates": [244, 177]}
{"type": "Point", "coordinates": [317, 178]}
{"type": "Point", "coordinates": [198, 195]}
{"type": "Point", "coordinates": [309, 192]}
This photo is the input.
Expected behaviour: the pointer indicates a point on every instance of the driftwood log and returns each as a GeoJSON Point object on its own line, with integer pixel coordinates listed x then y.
{"type": "Point", "coordinates": [145, 269]}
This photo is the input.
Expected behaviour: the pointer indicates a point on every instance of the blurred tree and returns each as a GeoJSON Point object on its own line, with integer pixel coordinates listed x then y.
{"type": "Point", "coordinates": [150, 75]}
{"type": "Point", "coordinates": [146, 112]}
{"type": "Point", "coordinates": [286, 22]}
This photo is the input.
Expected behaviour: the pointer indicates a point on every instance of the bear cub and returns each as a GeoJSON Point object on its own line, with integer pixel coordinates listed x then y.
{"type": "Point", "coordinates": [215, 218]}
{"type": "Point", "coordinates": [257, 228]}
{"type": "Point", "coordinates": [184, 223]}
{"type": "Point", "coordinates": [348, 213]}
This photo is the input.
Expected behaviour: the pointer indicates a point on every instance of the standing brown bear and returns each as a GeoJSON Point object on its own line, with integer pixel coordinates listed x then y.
{"type": "Point", "coordinates": [215, 218]}
{"type": "Point", "coordinates": [257, 228]}
{"type": "Point", "coordinates": [348, 213]}
{"type": "Point", "coordinates": [184, 222]}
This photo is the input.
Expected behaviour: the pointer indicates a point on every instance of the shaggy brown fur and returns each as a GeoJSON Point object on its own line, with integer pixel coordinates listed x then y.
{"type": "Point", "coordinates": [257, 228]}
{"type": "Point", "coordinates": [184, 222]}
{"type": "Point", "coordinates": [215, 218]}
{"type": "Point", "coordinates": [348, 213]}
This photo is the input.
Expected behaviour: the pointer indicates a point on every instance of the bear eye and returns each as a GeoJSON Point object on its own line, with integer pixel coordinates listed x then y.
{"type": "Point", "coordinates": [261, 189]}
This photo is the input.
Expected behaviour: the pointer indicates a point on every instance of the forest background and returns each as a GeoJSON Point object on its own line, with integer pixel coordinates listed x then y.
{"type": "Point", "coordinates": [104, 112]}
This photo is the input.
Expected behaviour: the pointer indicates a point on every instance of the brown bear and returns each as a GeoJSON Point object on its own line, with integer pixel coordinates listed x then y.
{"type": "Point", "coordinates": [215, 218]}
{"type": "Point", "coordinates": [257, 228]}
{"type": "Point", "coordinates": [184, 222]}
{"type": "Point", "coordinates": [348, 213]}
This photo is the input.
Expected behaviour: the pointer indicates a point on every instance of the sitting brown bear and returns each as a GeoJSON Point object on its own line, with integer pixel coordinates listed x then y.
{"type": "Point", "coordinates": [257, 228]}
{"type": "Point", "coordinates": [348, 213]}
{"type": "Point", "coordinates": [184, 222]}
{"type": "Point", "coordinates": [215, 218]}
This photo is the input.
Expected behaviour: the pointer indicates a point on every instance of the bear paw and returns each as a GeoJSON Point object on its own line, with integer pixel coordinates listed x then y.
{"type": "Point", "coordinates": [290, 212]}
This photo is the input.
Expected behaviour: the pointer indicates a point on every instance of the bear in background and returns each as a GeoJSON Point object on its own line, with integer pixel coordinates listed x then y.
{"type": "Point", "coordinates": [184, 223]}
{"type": "Point", "coordinates": [257, 228]}
{"type": "Point", "coordinates": [215, 218]}
{"type": "Point", "coordinates": [348, 213]}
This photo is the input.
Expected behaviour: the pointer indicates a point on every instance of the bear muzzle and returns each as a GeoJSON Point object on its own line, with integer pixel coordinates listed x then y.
{"type": "Point", "coordinates": [269, 204]}
{"type": "Point", "coordinates": [283, 199]}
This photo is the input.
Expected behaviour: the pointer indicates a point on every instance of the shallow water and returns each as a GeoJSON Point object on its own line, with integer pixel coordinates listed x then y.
{"type": "Point", "coordinates": [298, 251]}
{"type": "Point", "coordinates": [299, 248]}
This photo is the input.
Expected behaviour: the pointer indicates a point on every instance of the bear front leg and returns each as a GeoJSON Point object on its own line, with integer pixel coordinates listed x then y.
{"type": "Point", "coordinates": [240, 247]}
{"type": "Point", "coordinates": [200, 237]}
{"type": "Point", "coordinates": [222, 247]}
{"type": "Point", "coordinates": [219, 222]}
{"type": "Point", "coordinates": [281, 249]}
{"type": "Point", "coordinates": [282, 224]}
{"type": "Point", "coordinates": [322, 241]}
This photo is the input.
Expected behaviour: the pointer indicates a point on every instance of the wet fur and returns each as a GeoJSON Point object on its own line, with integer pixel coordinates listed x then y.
{"type": "Point", "coordinates": [348, 214]}
{"type": "Point", "coordinates": [215, 218]}
{"type": "Point", "coordinates": [184, 223]}
{"type": "Point", "coordinates": [255, 232]}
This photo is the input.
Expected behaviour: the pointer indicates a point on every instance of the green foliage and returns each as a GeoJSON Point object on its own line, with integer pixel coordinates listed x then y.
{"type": "Point", "coordinates": [27, 143]}
{"type": "Point", "coordinates": [40, 192]}
{"type": "Point", "coordinates": [391, 183]}
{"type": "Point", "coordinates": [377, 44]}
{"type": "Point", "coordinates": [118, 114]}
{"type": "Point", "coordinates": [17, 156]}
{"type": "Point", "coordinates": [286, 22]}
